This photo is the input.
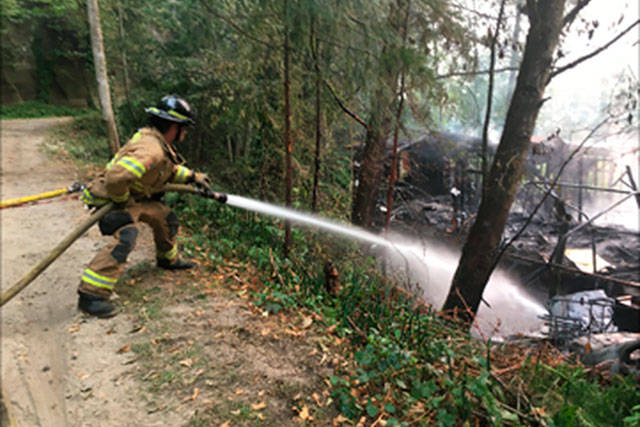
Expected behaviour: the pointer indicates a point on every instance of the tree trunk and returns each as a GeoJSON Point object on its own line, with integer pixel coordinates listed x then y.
{"type": "Point", "coordinates": [513, 61]}
{"type": "Point", "coordinates": [393, 172]}
{"type": "Point", "coordinates": [487, 118]}
{"type": "Point", "coordinates": [288, 141]}
{"type": "Point", "coordinates": [371, 168]}
{"type": "Point", "coordinates": [316, 169]}
{"type": "Point", "coordinates": [100, 65]}
{"type": "Point", "coordinates": [123, 54]}
{"type": "Point", "coordinates": [475, 265]}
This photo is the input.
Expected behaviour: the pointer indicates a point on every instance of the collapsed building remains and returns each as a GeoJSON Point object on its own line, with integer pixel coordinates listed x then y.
{"type": "Point", "coordinates": [561, 250]}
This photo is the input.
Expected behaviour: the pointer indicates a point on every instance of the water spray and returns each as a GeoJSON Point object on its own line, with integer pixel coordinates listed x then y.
{"type": "Point", "coordinates": [428, 264]}
{"type": "Point", "coordinates": [306, 219]}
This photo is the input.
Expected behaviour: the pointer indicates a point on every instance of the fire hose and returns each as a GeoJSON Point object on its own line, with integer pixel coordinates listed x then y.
{"type": "Point", "coordinates": [74, 188]}
{"type": "Point", "coordinates": [82, 228]}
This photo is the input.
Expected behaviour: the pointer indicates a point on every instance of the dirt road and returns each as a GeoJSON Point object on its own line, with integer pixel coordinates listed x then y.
{"type": "Point", "coordinates": [59, 367]}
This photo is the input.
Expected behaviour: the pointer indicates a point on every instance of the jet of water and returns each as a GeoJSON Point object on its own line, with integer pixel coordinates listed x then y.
{"type": "Point", "coordinates": [428, 264]}
{"type": "Point", "coordinates": [305, 218]}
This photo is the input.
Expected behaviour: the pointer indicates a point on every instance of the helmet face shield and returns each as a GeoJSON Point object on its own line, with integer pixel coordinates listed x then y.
{"type": "Point", "coordinates": [174, 109]}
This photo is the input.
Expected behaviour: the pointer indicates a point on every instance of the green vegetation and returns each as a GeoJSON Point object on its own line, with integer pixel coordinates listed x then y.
{"type": "Point", "coordinates": [36, 109]}
{"type": "Point", "coordinates": [402, 363]}
{"type": "Point", "coordinates": [407, 365]}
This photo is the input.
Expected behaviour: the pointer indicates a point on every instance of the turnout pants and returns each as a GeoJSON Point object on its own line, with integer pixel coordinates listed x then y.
{"type": "Point", "coordinates": [102, 273]}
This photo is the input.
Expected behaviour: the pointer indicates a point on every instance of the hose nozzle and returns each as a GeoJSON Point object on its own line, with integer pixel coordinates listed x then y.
{"type": "Point", "coordinates": [220, 197]}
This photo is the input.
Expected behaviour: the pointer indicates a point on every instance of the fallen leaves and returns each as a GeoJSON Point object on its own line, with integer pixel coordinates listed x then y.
{"type": "Point", "coordinates": [303, 413]}
{"type": "Point", "coordinates": [193, 396]}
{"type": "Point", "coordinates": [259, 406]}
{"type": "Point", "coordinates": [306, 322]}
{"type": "Point", "coordinates": [316, 397]}
{"type": "Point", "coordinates": [340, 419]}
{"type": "Point", "coordinates": [123, 349]}
{"type": "Point", "coordinates": [137, 328]}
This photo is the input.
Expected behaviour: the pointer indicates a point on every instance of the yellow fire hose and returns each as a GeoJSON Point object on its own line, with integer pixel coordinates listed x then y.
{"type": "Point", "coordinates": [79, 231]}
{"type": "Point", "coordinates": [47, 195]}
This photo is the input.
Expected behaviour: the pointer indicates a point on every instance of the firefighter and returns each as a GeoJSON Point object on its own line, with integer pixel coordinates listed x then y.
{"type": "Point", "coordinates": [132, 180]}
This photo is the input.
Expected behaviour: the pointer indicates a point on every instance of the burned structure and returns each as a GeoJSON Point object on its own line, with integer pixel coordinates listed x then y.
{"type": "Point", "coordinates": [559, 250]}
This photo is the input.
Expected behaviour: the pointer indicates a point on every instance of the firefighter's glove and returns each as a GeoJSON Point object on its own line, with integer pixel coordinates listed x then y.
{"type": "Point", "coordinates": [202, 180]}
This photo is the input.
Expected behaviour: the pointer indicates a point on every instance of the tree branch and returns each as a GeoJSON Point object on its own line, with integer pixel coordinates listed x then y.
{"type": "Point", "coordinates": [547, 193]}
{"type": "Point", "coordinates": [236, 27]}
{"type": "Point", "coordinates": [487, 118]}
{"type": "Point", "coordinates": [474, 73]}
{"type": "Point", "coordinates": [592, 54]}
{"type": "Point", "coordinates": [343, 107]}
{"type": "Point", "coordinates": [569, 17]}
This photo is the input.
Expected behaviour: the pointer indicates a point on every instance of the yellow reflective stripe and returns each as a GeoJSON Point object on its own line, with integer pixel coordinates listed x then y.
{"type": "Point", "coordinates": [181, 175]}
{"type": "Point", "coordinates": [97, 280]}
{"type": "Point", "coordinates": [121, 199]}
{"type": "Point", "coordinates": [136, 137]}
{"type": "Point", "coordinates": [170, 254]}
{"type": "Point", "coordinates": [111, 162]}
{"type": "Point", "coordinates": [138, 186]}
{"type": "Point", "coordinates": [90, 199]}
{"type": "Point", "coordinates": [177, 115]}
{"type": "Point", "coordinates": [132, 165]}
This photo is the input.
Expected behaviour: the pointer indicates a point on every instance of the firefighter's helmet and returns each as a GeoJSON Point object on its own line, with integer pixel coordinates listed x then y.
{"type": "Point", "coordinates": [174, 109]}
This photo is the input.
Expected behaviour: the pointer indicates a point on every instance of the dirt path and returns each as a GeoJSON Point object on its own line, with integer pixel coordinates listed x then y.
{"type": "Point", "coordinates": [59, 367]}
{"type": "Point", "coordinates": [188, 347]}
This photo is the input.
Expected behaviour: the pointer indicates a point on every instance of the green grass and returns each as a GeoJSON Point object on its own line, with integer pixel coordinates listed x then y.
{"type": "Point", "coordinates": [37, 109]}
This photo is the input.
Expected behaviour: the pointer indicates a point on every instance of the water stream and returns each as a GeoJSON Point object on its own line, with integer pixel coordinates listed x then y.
{"type": "Point", "coordinates": [430, 265]}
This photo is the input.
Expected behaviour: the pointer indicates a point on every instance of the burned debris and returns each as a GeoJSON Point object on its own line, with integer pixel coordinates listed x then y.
{"type": "Point", "coordinates": [557, 252]}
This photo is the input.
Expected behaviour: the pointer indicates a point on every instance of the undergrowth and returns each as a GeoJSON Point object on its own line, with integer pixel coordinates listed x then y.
{"type": "Point", "coordinates": [404, 364]}
{"type": "Point", "coordinates": [37, 109]}
{"type": "Point", "coordinates": [407, 365]}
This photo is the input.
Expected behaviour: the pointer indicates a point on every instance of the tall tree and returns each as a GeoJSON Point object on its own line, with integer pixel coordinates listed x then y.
{"type": "Point", "coordinates": [393, 170]}
{"type": "Point", "coordinates": [481, 249]}
{"type": "Point", "coordinates": [433, 34]}
{"type": "Point", "coordinates": [314, 48]}
{"type": "Point", "coordinates": [475, 266]}
{"type": "Point", "coordinates": [100, 64]}
{"type": "Point", "coordinates": [288, 140]}
{"type": "Point", "coordinates": [123, 52]}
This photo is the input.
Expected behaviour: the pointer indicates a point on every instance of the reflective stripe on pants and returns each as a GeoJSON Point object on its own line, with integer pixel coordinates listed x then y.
{"type": "Point", "coordinates": [104, 270]}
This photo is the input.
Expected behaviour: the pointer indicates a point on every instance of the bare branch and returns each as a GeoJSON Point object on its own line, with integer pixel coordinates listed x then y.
{"type": "Point", "coordinates": [569, 17]}
{"type": "Point", "coordinates": [592, 54]}
{"type": "Point", "coordinates": [474, 73]}
{"type": "Point", "coordinates": [344, 108]}
{"type": "Point", "coordinates": [487, 119]}
{"type": "Point", "coordinates": [546, 194]}
{"type": "Point", "coordinates": [236, 27]}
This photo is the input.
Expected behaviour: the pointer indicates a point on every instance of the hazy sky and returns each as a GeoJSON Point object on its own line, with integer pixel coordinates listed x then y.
{"type": "Point", "coordinates": [587, 80]}
{"type": "Point", "coordinates": [579, 91]}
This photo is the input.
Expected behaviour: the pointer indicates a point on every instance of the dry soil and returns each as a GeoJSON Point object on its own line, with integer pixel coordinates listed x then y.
{"type": "Point", "coordinates": [59, 367]}
{"type": "Point", "coordinates": [188, 347]}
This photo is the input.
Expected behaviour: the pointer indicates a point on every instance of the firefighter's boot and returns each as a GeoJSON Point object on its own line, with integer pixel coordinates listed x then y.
{"type": "Point", "coordinates": [95, 306]}
{"type": "Point", "coordinates": [175, 265]}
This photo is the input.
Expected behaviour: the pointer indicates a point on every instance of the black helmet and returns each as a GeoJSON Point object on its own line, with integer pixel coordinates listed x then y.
{"type": "Point", "coordinates": [174, 109]}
